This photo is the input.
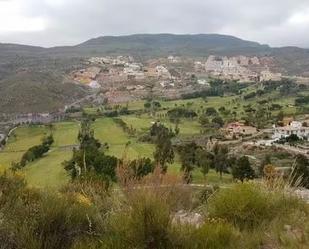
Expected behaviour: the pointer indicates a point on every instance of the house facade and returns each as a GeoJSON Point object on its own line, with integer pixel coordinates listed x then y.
{"type": "Point", "coordinates": [237, 129]}
{"type": "Point", "coordinates": [295, 128]}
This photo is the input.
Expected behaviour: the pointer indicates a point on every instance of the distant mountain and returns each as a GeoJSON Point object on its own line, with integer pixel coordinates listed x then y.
{"type": "Point", "coordinates": [161, 44]}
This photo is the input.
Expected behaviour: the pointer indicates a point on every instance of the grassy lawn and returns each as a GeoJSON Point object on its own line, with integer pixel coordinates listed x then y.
{"type": "Point", "coordinates": [25, 137]}
{"type": "Point", "coordinates": [65, 133]}
{"type": "Point", "coordinates": [120, 142]}
{"type": "Point", "coordinates": [48, 171]}
{"type": "Point", "coordinates": [21, 140]}
{"type": "Point", "coordinates": [143, 123]}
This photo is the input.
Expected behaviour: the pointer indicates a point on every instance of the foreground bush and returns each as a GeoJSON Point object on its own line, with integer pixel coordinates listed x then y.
{"type": "Point", "coordinates": [249, 204]}
{"type": "Point", "coordinates": [33, 219]}
{"type": "Point", "coordinates": [141, 215]}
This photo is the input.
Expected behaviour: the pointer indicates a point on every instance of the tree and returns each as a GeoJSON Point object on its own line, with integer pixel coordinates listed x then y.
{"type": "Point", "coordinates": [141, 167]}
{"type": "Point", "coordinates": [164, 152]}
{"type": "Point", "coordinates": [188, 160]}
{"type": "Point", "coordinates": [301, 171]}
{"type": "Point", "coordinates": [203, 159]}
{"type": "Point", "coordinates": [204, 121]}
{"type": "Point", "coordinates": [35, 152]}
{"type": "Point", "coordinates": [210, 111]}
{"type": "Point", "coordinates": [260, 117]}
{"type": "Point", "coordinates": [242, 170]}
{"type": "Point", "coordinates": [265, 161]}
{"type": "Point", "coordinates": [152, 106]}
{"type": "Point", "coordinates": [217, 122]}
{"type": "Point", "coordinates": [89, 158]}
{"type": "Point", "coordinates": [220, 158]}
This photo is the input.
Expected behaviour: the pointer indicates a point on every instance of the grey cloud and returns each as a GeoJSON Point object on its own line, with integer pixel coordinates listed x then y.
{"type": "Point", "coordinates": [265, 21]}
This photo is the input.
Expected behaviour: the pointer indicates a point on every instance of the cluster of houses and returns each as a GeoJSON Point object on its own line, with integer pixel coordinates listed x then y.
{"type": "Point", "coordinates": [87, 76]}
{"type": "Point", "coordinates": [297, 128]}
{"type": "Point", "coordinates": [103, 71]}
{"type": "Point", "coordinates": [115, 61]}
{"type": "Point", "coordinates": [237, 68]}
{"type": "Point", "coordinates": [236, 130]}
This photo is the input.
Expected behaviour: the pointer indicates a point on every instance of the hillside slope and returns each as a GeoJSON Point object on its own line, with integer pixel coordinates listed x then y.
{"type": "Point", "coordinates": [36, 92]}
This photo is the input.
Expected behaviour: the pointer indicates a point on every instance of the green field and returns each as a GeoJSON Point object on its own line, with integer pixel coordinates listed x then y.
{"type": "Point", "coordinates": [48, 171]}
{"type": "Point", "coordinates": [233, 103]}
{"type": "Point", "coordinates": [144, 122]}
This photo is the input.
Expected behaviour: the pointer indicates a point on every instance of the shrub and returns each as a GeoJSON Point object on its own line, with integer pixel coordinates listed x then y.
{"type": "Point", "coordinates": [143, 224]}
{"type": "Point", "coordinates": [248, 205]}
{"type": "Point", "coordinates": [61, 221]}
{"type": "Point", "coordinates": [215, 235]}
{"type": "Point", "coordinates": [33, 219]}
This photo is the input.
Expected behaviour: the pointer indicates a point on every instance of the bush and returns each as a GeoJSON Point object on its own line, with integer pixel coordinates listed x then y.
{"type": "Point", "coordinates": [33, 219]}
{"type": "Point", "coordinates": [248, 205]}
{"type": "Point", "coordinates": [215, 235]}
{"type": "Point", "coordinates": [144, 224]}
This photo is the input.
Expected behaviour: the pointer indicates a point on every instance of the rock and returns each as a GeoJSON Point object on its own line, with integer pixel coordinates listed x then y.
{"type": "Point", "coordinates": [183, 217]}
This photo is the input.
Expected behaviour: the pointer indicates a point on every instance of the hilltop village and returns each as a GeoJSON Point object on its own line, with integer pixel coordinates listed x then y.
{"type": "Point", "coordinates": [121, 73]}
{"type": "Point", "coordinates": [122, 78]}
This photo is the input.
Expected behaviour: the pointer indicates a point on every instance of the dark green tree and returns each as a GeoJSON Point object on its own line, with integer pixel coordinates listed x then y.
{"type": "Point", "coordinates": [164, 152]}
{"type": "Point", "coordinates": [188, 160]}
{"type": "Point", "coordinates": [242, 169]}
{"type": "Point", "coordinates": [217, 122]}
{"type": "Point", "coordinates": [220, 158]}
{"type": "Point", "coordinates": [142, 167]}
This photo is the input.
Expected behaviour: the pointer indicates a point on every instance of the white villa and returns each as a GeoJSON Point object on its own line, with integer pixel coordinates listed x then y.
{"type": "Point", "coordinates": [294, 127]}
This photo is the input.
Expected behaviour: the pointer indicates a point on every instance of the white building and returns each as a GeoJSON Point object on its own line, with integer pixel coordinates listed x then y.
{"type": "Point", "coordinates": [100, 60]}
{"type": "Point", "coordinates": [230, 68]}
{"type": "Point", "coordinates": [173, 59]}
{"type": "Point", "coordinates": [203, 82]}
{"type": "Point", "coordinates": [295, 128]}
{"type": "Point", "coordinates": [135, 70]}
{"type": "Point", "coordinates": [266, 75]}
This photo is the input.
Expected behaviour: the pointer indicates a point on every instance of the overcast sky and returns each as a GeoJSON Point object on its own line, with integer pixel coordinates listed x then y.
{"type": "Point", "coordinates": [69, 22]}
